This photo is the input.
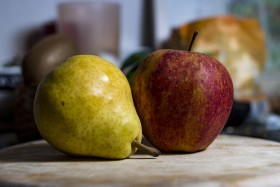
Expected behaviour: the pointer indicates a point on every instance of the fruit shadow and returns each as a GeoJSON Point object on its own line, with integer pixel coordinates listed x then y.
{"type": "Point", "coordinates": [141, 155]}
{"type": "Point", "coordinates": [42, 152]}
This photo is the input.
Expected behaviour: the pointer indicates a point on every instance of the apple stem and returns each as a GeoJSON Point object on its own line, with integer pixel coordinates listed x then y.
{"type": "Point", "coordinates": [193, 38]}
{"type": "Point", "coordinates": [149, 150]}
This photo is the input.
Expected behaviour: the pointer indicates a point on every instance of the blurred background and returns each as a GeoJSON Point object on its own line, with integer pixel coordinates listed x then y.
{"type": "Point", "coordinates": [38, 35]}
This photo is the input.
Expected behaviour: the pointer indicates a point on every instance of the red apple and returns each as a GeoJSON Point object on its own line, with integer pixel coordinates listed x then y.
{"type": "Point", "coordinates": [182, 98]}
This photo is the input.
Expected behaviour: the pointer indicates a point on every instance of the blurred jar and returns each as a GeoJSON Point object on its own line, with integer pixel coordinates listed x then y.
{"type": "Point", "coordinates": [94, 27]}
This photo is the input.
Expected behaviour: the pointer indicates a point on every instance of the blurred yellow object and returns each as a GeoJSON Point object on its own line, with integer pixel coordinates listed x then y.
{"type": "Point", "coordinates": [237, 43]}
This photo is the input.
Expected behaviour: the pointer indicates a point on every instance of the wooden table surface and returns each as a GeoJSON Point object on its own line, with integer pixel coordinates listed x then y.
{"type": "Point", "coordinates": [230, 161]}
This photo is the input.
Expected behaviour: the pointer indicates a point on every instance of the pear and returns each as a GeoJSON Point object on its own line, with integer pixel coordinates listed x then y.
{"type": "Point", "coordinates": [84, 107]}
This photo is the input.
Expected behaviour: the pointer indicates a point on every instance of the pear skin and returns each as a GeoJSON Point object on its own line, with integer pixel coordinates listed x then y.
{"type": "Point", "coordinates": [84, 107]}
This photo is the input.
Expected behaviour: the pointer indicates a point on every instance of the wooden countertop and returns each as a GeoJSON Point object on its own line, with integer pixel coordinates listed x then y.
{"type": "Point", "coordinates": [229, 161]}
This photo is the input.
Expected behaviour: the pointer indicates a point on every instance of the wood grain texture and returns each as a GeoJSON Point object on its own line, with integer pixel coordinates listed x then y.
{"type": "Point", "coordinates": [230, 161]}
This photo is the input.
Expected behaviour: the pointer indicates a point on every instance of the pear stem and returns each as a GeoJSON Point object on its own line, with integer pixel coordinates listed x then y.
{"type": "Point", "coordinates": [149, 150]}
{"type": "Point", "coordinates": [193, 38]}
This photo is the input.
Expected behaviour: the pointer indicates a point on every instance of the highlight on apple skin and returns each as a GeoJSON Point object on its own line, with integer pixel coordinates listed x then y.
{"type": "Point", "coordinates": [183, 99]}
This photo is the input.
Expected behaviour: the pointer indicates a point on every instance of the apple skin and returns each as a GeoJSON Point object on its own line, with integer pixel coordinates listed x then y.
{"type": "Point", "coordinates": [183, 99]}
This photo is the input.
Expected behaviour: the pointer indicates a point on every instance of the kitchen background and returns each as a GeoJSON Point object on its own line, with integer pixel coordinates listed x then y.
{"type": "Point", "coordinates": [144, 25]}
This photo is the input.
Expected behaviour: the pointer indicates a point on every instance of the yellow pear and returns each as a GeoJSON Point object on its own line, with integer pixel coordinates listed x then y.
{"type": "Point", "coordinates": [84, 107]}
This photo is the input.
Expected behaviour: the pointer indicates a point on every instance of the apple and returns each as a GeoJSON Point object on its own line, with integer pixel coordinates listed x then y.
{"type": "Point", "coordinates": [183, 99]}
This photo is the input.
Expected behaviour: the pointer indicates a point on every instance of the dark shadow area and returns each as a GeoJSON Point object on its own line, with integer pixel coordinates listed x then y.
{"type": "Point", "coordinates": [40, 151]}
